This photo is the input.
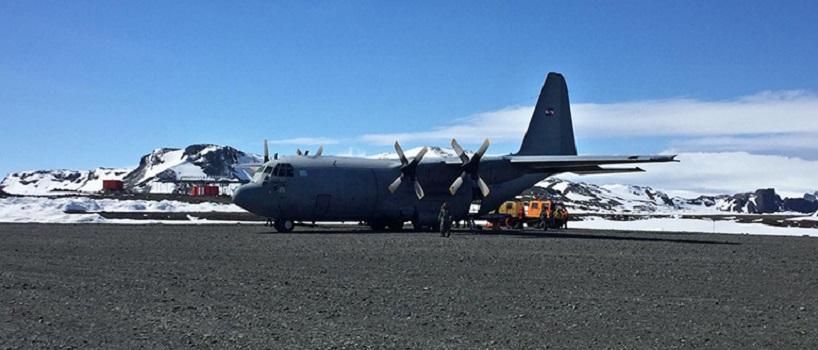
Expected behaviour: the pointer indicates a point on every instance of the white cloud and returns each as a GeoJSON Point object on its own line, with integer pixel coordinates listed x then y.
{"type": "Point", "coordinates": [306, 141]}
{"type": "Point", "coordinates": [353, 152]}
{"type": "Point", "coordinates": [793, 112]}
{"type": "Point", "coordinates": [782, 120]}
{"type": "Point", "coordinates": [504, 125]}
{"type": "Point", "coordinates": [720, 173]}
{"type": "Point", "coordinates": [751, 143]}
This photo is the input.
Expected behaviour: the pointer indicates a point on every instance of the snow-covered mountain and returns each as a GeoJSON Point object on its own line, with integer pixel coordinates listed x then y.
{"type": "Point", "coordinates": [157, 172]}
{"type": "Point", "coordinates": [51, 182]}
{"type": "Point", "coordinates": [432, 152]}
{"type": "Point", "coordinates": [585, 197]}
{"type": "Point", "coordinates": [161, 169]}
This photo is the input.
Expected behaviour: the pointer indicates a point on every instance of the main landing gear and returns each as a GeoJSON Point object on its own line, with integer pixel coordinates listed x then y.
{"type": "Point", "coordinates": [284, 226]}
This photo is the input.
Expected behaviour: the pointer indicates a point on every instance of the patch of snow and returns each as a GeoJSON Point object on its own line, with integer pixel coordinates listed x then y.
{"type": "Point", "coordinates": [691, 225]}
{"type": "Point", "coordinates": [813, 217]}
{"type": "Point", "coordinates": [52, 210]}
{"type": "Point", "coordinates": [560, 187]}
{"type": "Point", "coordinates": [577, 197]}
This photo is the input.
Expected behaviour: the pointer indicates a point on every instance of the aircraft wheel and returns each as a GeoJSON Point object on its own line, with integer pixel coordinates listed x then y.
{"type": "Point", "coordinates": [284, 226]}
{"type": "Point", "coordinates": [395, 226]}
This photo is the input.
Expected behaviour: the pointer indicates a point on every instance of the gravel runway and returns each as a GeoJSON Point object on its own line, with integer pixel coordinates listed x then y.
{"type": "Point", "coordinates": [240, 286]}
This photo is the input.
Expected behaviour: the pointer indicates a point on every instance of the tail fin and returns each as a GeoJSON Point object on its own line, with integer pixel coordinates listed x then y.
{"type": "Point", "coordinates": [550, 131]}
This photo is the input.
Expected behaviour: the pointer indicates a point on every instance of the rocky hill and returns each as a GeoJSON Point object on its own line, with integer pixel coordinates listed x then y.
{"type": "Point", "coordinates": [160, 169]}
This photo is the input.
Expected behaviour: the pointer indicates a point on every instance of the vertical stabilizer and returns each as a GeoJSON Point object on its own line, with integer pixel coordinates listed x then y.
{"type": "Point", "coordinates": [550, 131]}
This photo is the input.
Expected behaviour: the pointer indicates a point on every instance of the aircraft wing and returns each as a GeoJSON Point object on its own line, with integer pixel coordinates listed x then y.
{"type": "Point", "coordinates": [586, 164]}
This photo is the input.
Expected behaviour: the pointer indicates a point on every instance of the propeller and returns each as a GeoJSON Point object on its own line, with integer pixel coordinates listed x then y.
{"type": "Point", "coordinates": [306, 153]}
{"type": "Point", "coordinates": [408, 170]}
{"type": "Point", "coordinates": [266, 152]}
{"type": "Point", "coordinates": [470, 167]}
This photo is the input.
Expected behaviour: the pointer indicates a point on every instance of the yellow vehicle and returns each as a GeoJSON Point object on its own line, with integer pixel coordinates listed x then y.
{"type": "Point", "coordinates": [514, 213]}
{"type": "Point", "coordinates": [537, 206]}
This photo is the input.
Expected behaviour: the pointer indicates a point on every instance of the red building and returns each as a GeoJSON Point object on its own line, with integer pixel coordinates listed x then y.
{"type": "Point", "coordinates": [112, 186]}
{"type": "Point", "coordinates": [207, 190]}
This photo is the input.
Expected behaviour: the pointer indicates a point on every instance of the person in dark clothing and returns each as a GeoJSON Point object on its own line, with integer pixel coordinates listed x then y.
{"type": "Point", "coordinates": [445, 220]}
{"type": "Point", "coordinates": [558, 217]}
{"type": "Point", "coordinates": [520, 217]}
{"type": "Point", "coordinates": [544, 219]}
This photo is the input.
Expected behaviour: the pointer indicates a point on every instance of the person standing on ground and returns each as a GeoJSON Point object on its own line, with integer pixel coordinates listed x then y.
{"type": "Point", "coordinates": [564, 217]}
{"type": "Point", "coordinates": [445, 220]}
{"type": "Point", "coordinates": [558, 217]}
{"type": "Point", "coordinates": [520, 216]}
{"type": "Point", "coordinates": [544, 219]}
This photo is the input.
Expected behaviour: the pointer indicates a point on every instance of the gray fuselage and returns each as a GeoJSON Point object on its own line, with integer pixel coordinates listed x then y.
{"type": "Point", "coordinates": [330, 188]}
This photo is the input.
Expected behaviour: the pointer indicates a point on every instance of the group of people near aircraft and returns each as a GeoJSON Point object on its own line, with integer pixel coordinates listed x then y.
{"type": "Point", "coordinates": [554, 217]}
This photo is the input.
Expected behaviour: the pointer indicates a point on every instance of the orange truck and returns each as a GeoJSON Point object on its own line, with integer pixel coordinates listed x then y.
{"type": "Point", "coordinates": [512, 214]}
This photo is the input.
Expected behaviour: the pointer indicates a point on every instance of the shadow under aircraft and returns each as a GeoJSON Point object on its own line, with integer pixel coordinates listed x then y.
{"type": "Point", "coordinates": [385, 193]}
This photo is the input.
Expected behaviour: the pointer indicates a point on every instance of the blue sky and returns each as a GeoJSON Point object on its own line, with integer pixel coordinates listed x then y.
{"type": "Point", "coordinates": [86, 84]}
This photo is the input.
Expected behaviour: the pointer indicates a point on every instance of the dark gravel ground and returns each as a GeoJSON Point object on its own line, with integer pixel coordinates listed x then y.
{"type": "Point", "coordinates": [166, 286]}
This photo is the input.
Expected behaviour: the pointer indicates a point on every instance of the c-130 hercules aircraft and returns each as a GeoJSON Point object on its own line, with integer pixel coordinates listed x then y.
{"type": "Point", "coordinates": [387, 192]}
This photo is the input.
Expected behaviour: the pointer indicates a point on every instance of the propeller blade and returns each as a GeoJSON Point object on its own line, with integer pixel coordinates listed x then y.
{"type": "Point", "coordinates": [420, 155]}
{"type": "Point", "coordinates": [418, 190]}
{"type": "Point", "coordinates": [395, 184]}
{"type": "Point", "coordinates": [400, 153]}
{"type": "Point", "coordinates": [319, 152]}
{"type": "Point", "coordinates": [456, 184]}
{"type": "Point", "coordinates": [266, 152]}
{"type": "Point", "coordinates": [482, 150]}
{"type": "Point", "coordinates": [484, 189]}
{"type": "Point", "coordinates": [459, 151]}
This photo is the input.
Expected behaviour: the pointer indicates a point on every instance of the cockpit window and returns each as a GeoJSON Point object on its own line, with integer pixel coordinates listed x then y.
{"type": "Point", "coordinates": [283, 170]}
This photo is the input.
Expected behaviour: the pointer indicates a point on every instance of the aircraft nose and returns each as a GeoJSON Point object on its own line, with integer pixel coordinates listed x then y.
{"type": "Point", "coordinates": [242, 197]}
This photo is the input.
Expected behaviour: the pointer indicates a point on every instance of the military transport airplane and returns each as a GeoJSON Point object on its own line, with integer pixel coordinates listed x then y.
{"type": "Point", "coordinates": [387, 192]}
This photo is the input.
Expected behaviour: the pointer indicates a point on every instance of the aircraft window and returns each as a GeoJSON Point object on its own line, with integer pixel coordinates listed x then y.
{"type": "Point", "coordinates": [535, 205]}
{"type": "Point", "coordinates": [283, 170]}
{"type": "Point", "coordinates": [268, 170]}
